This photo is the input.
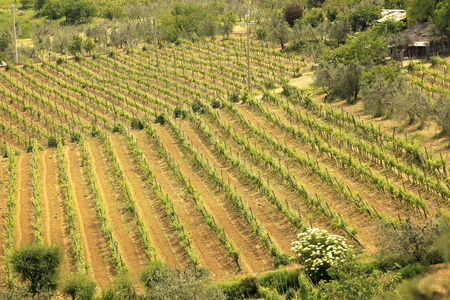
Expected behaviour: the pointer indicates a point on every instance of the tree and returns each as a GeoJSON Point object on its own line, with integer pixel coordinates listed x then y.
{"type": "Point", "coordinates": [38, 4]}
{"type": "Point", "coordinates": [292, 13]}
{"type": "Point", "coordinates": [278, 30]}
{"type": "Point", "coordinates": [228, 23]}
{"type": "Point", "coordinates": [26, 3]}
{"type": "Point", "coordinates": [208, 27]}
{"type": "Point", "coordinates": [441, 16]}
{"type": "Point", "coordinates": [314, 3]}
{"type": "Point", "coordinates": [114, 10]}
{"type": "Point", "coordinates": [79, 285]}
{"type": "Point", "coordinates": [75, 45]}
{"type": "Point", "coordinates": [364, 15]}
{"type": "Point", "coordinates": [442, 109]}
{"type": "Point", "coordinates": [314, 17]}
{"type": "Point", "coordinates": [37, 266]}
{"type": "Point", "coordinates": [413, 104]}
{"type": "Point", "coordinates": [51, 10]}
{"type": "Point", "coordinates": [88, 45]}
{"type": "Point", "coordinates": [79, 11]}
{"type": "Point", "coordinates": [420, 10]}
{"type": "Point", "coordinates": [339, 30]}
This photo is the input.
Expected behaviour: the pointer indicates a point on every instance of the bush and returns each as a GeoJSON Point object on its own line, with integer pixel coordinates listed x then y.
{"type": "Point", "coordinates": [52, 142]}
{"type": "Point", "coordinates": [317, 250]}
{"type": "Point", "coordinates": [78, 58]}
{"type": "Point", "coordinates": [75, 137]}
{"type": "Point", "coordinates": [234, 97]}
{"type": "Point", "coordinates": [269, 85]}
{"type": "Point", "coordinates": [95, 56]}
{"type": "Point", "coordinates": [179, 113]}
{"type": "Point", "coordinates": [197, 107]}
{"type": "Point", "coordinates": [216, 104]}
{"type": "Point", "coordinates": [160, 119]}
{"type": "Point", "coordinates": [137, 124]}
{"type": "Point", "coordinates": [29, 148]}
{"type": "Point", "coordinates": [412, 270]}
{"type": "Point", "coordinates": [37, 266]}
{"type": "Point", "coordinates": [282, 260]}
{"type": "Point", "coordinates": [117, 128]}
{"type": "Point", "coordinates": [408, 243]}
{"type": "Point", "coordinates": [60, 61]}
{"type": "Point", "coordinates": [79, 285]}
{"type": "Point", "coordinates": [112, 54]}
{"type": "Point", "coordinates": [269, 293]}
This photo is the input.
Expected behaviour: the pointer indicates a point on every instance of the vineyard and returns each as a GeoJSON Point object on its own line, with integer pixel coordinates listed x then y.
{"type": "Point", "coordinates": [127, 158]}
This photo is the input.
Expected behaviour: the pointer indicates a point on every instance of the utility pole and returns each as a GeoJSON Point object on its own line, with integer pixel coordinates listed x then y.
{"type": "Point", "coordinates": [248, 52]}
{"type": "Point", "coordinates": [14, 35]}
{"type": "Point", "coordinates": [155, 41]}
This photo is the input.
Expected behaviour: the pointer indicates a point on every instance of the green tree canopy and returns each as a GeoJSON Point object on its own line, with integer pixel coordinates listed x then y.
{"type": "Point", "coordinates": [37, 266]}
{"type": "Point", "coordinates": [441, 16]}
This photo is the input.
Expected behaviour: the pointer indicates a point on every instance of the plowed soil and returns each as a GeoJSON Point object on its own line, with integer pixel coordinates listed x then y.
{"type": "Point", "coordinates": [254, 258]}
{"type": "Point", "coordinates": [121, 222]}
{"type": "Point", "coordinates": [162, 236]}
{"type": "Point", "coordinates": [205, 242]}
{"type": "Point", "coordinates": [24, 204]}
{"type": "Point", "coordinates": [55, 228]}
{"type": "Point", "coordinates": [96, 247]}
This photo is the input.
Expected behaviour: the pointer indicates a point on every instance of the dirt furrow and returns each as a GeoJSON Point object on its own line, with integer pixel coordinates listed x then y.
{"type": "Point", "coordinates": [276, 182]}
{"type": "Point", "coordinates": [24, 206]}
{"type": "Point", "coordinates": [254, 258]}
{"type": "Point", "coordinates": [95, 245]}
{"type": "Point", "coordinates": [276, 225]}
{"type": "Point", "coordinates": [55, 228]}
{"type": "Point", "coordinates": [212, 254]}
{"type": "Point", "coordinates": [121, 222]}
{"type": "Point", "coordinates": [311, 182]}
{"type": "Point", "coordinates": [379, 200]}
{"type": "Point", "coordinates": [162, 235]}
{"type": "Point", "coordinates": [4, 177]}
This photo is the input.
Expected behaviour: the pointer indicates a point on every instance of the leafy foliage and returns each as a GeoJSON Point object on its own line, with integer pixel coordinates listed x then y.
{"type": "Point", "coordinates": [79, 285]}
{"type": "Point", "coordinates": [37, 265]}
{"type": "Point", "coordinates": [317, 251]}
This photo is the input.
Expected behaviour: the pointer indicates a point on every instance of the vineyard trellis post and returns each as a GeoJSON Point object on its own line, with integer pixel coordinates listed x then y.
{"type": "Point", "coordinates": [248, 50]}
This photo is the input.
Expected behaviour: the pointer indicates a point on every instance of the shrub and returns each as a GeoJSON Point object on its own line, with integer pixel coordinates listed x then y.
{"type": "Point", "coordinates": [269, 85]}
{"type": "Point", "coordinates": [269, 293]}
{"type": "Point", "coordinates": [282, 260]}
{"type": "Point", "coordinates": [160, 119]}
{"type": "Point", "coordinates": [95, 56]}
{"type": "Point", "coordinates": [117, 128]}
{"type": "Point", "coordinates": [52, 142]}
{"type": "Point", "coordinates": [179, 113]}
{"type": "Point", "coordinates": [197, 107]}
{"type": "Point", "coordinates": [408, 243]}
{"type": "Point", "coordinates": [75, 137]}
{"type": "Point", "coordinates": [136, 124]}
{"type": "Point", "coordinates": [37, 266]}
{"type": "Point", "coordinates": [216, 104]}
{"type": "Point", "coordinates": [78, 58]}
{"type": "Point", "coordinates": [60, 61]}
{"type": "Point", "coordinates": [412, 270]}
{"type": "Point", "coordinates": [79, 285]}
{"type": "Point", "coordinates": [234, 97]}
{"type": "Point", "coordinates": [112, 54]}
{"type": "Point", "coordinates": [317, 250]}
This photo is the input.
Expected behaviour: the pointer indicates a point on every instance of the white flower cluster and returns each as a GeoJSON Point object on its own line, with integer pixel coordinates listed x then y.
{"type": "Point", "coordinates": [317, 250]}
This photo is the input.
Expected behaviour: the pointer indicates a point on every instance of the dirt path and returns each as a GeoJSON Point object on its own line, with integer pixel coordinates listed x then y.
{"type": "Point", "coordinates": [254, 258]}
{"type": "Point", "coordinates": [163, 237]}
{"type": "Point", "coordinates": [277, 226]}
{"type": "Point", "coordinates": [55, 229]}
{"type": "Point", "coordinates": [3, 210]}
{"type": "Point", "coordinates": [96, 247]}
{"type": "Point", "coordinates": [205, 242]}
{"type": "Point", "coordinates": [121, 222]}
{"type": "Point", "coordinates": [24, 206]}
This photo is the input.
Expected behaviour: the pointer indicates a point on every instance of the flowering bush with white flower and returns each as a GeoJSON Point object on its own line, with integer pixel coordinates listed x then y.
{"type": "Point", "coordinates": [318, 250]}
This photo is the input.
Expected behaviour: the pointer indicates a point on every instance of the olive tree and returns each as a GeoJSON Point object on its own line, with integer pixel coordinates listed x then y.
{"type": "Point", "coordinates": [278, 30]}
{"type": "Point", "coordinates": [38, 266]}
